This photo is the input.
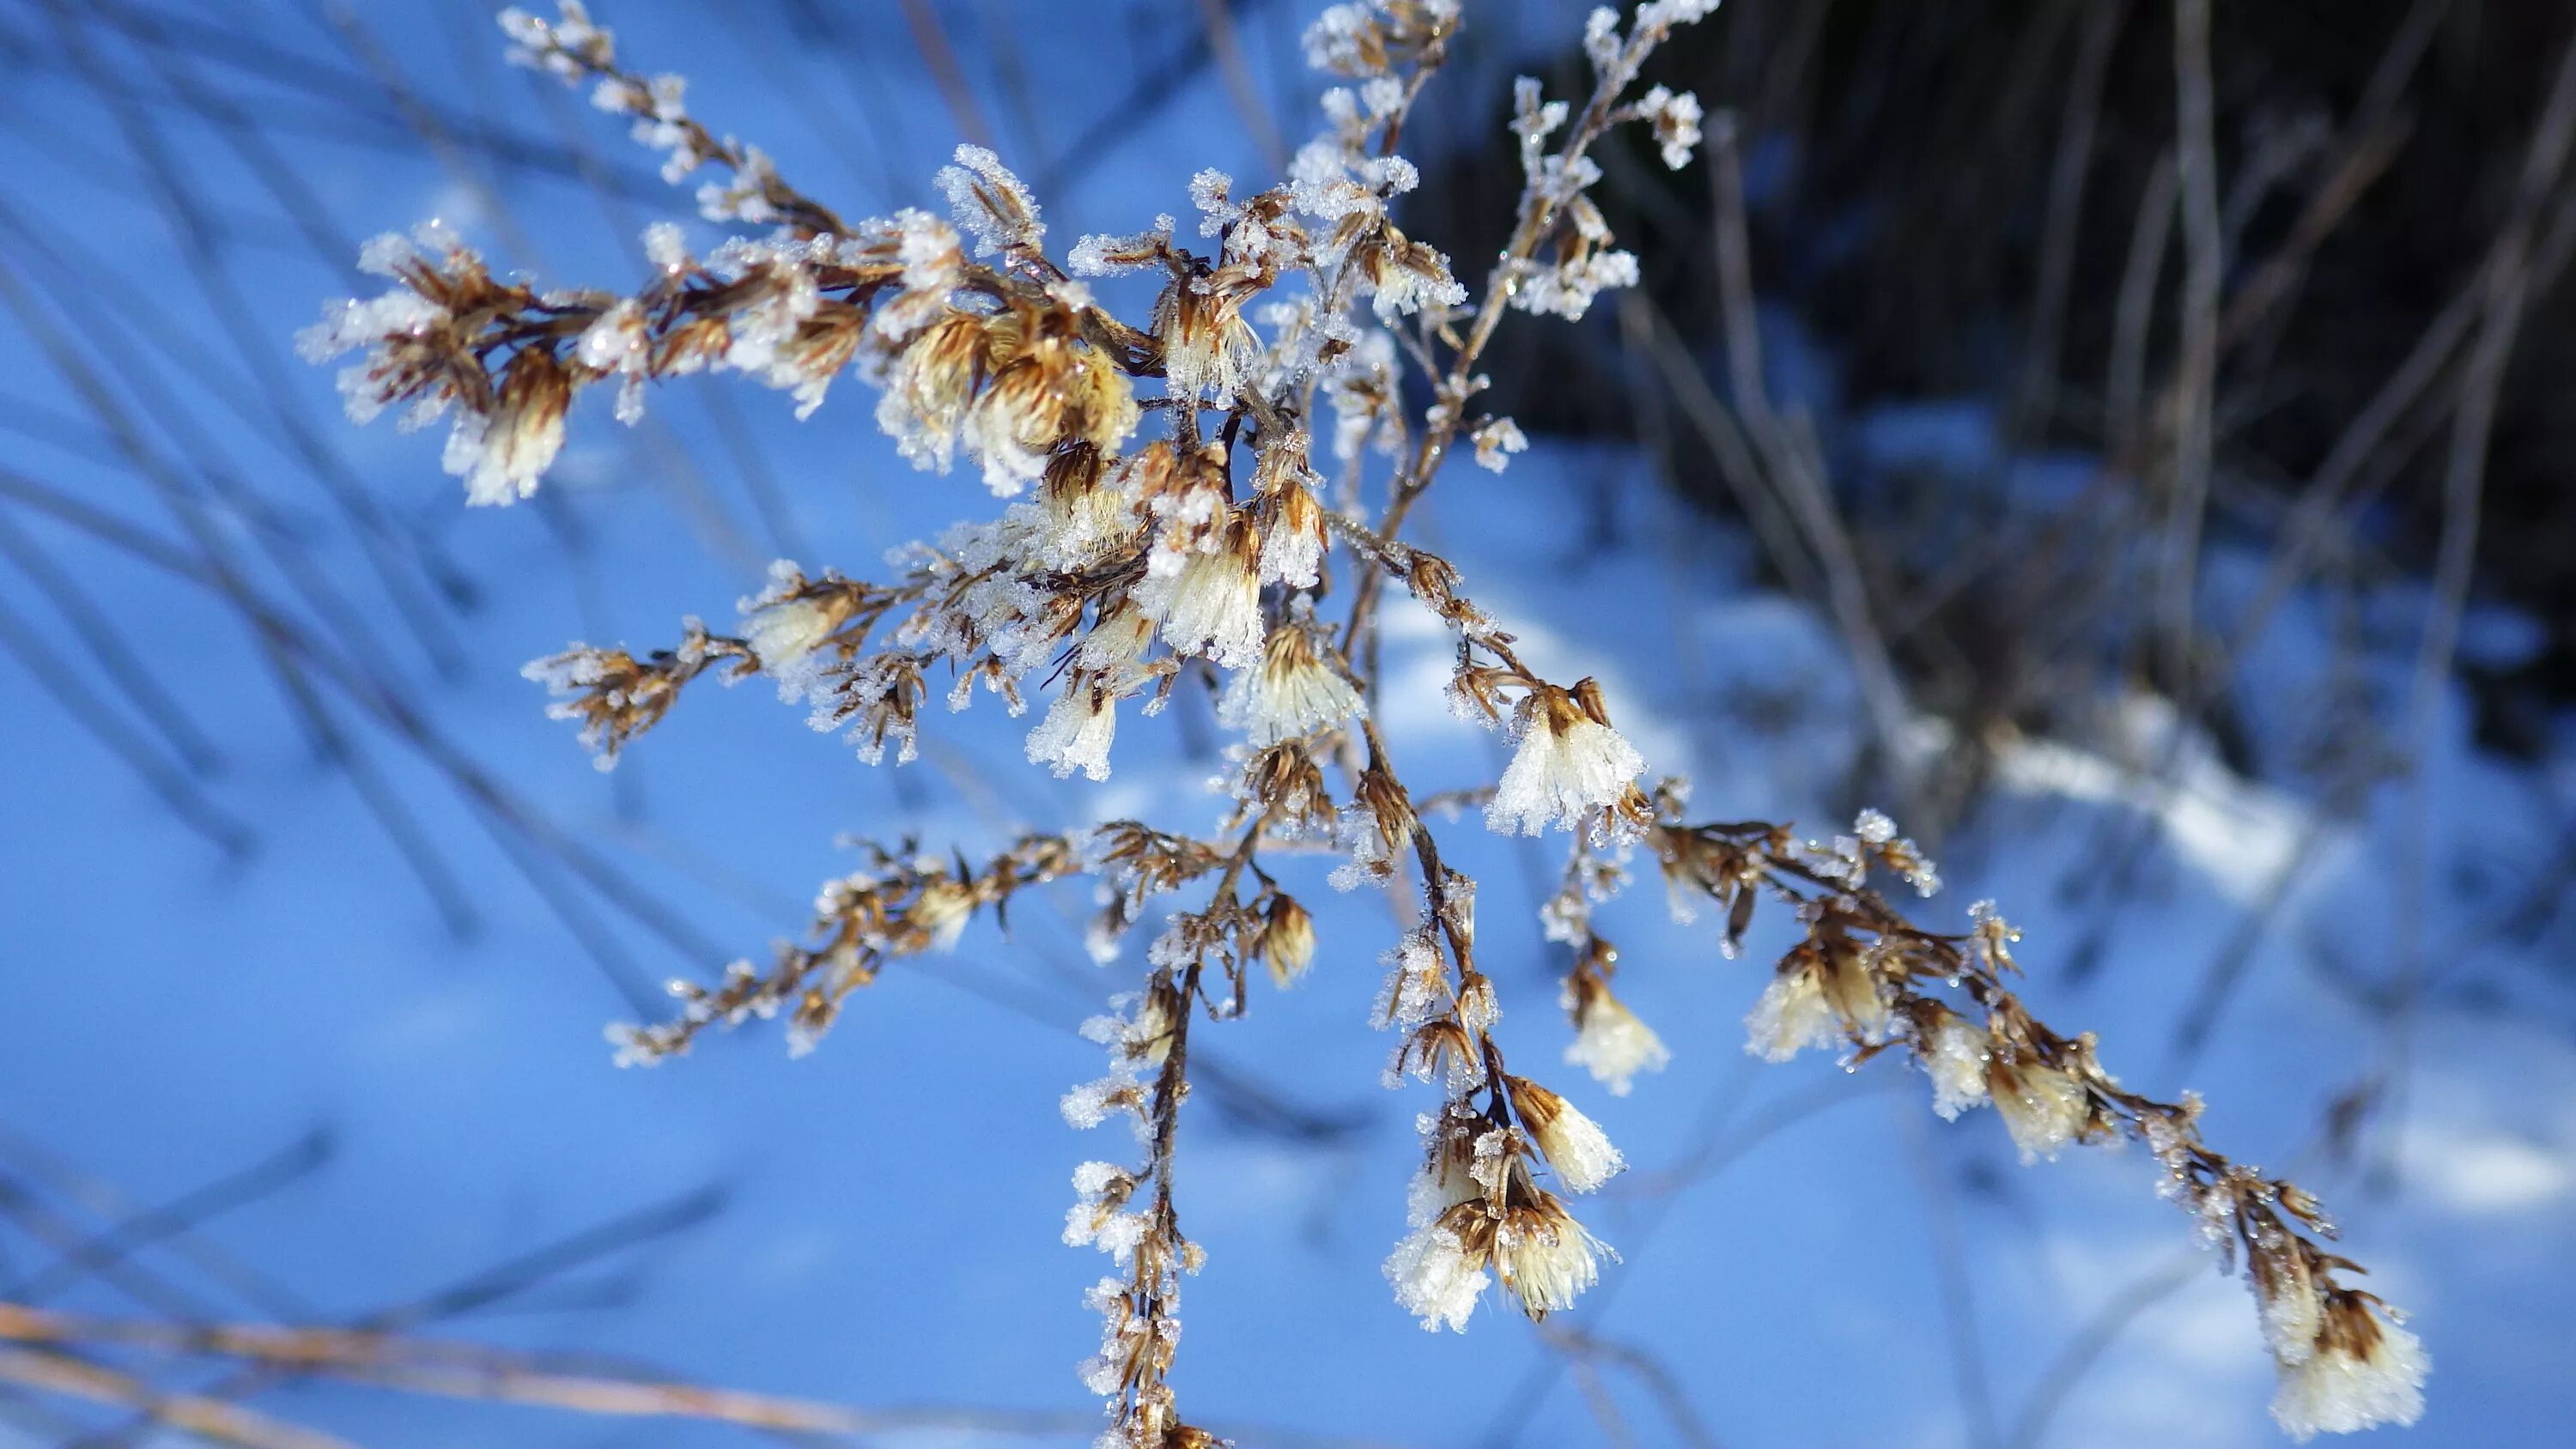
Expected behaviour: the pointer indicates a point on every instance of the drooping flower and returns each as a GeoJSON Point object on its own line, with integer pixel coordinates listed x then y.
{"type": "Point", "coordinates": [1117, 641]}
{"type": "Point", "coordinates": [1852, 987]}
{"type": "Point", "coordinates": [1400, 274]}
{"type": "Point", "coordinates": [938, 915]}
{"type": "Point", "coordinates": [1791, 1016]}
{"type": "Point", "coordinates": [1415, 975]}
{"type": "Point", "coordinates": [1437, 1278]}
{"type": "Point", "coordinates": [1376, 827]}
{"type": "Point", "coordinates": [1609, 1041]}
{"type": "Point", "coordinates": [1954, 1055]}
{"type": "Point", "coordinates": [1081, 517]}
{"type": "Point", "coordinates": [1098, 1215]}
{"type": "Point", "coordinates": [787, 622]}
{"type": "Point", "coordinates": [1820, 994]}
{"type": "Point", "coordinates": [1292, 524]}
{"type": "Point", "coordinates": [931, 384]}
{"type": "Point", "coordinates": [1207, 346]}
{"type": "Point", "coordinates": [1076, 732]}
{"type": "Point", "coordinates": [2042, 1107]}
{"type": "Point", "coordinates": [1080, 725]}
{"type": "Point", "coordinates": [1573, 1143]}
{"type": "Point", "coordinates": [1570, 764]}
{"type": "Point", "coordinates": [1544, 1256]}
{"type": "Point", "coordinates": [2364, 1372]}
{"type": "Point", "coordinates": [1475, 1207]}
{"type": "Point", "coordinates": [879, 700]}
{"type": "Point", "coordinates": [1292, 692]}
{"type": "Point", "coordinates": [1209, 602]}
{"type": "Point", "coordinates": [2287, 1294]}
{"type": "Point", "coordinates": [1287, 940]}
{"type": "Point", "coordinates": [1053, 391]}
{"type": "Point", "coordinates": [502, 454]}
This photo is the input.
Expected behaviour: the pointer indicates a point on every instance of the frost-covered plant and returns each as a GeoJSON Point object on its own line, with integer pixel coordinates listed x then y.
{"type": "Point", "coordinates": [1126, 567]}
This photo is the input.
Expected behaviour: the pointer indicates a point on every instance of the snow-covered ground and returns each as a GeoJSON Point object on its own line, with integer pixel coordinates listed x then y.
{"type": "Point", "coordinates": [886, 1232]}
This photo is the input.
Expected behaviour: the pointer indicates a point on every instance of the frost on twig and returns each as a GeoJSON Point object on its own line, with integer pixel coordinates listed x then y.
{"type": "Point", "coordinates": [1866, 978]}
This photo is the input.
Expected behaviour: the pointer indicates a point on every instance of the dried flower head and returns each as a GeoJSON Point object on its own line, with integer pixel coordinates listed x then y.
{"type": "Point", "coordinates": [1575, 1145]}
{"type": "Point", "coordinates": [1610, 1041]}
{"type": "Point", "coordinates": [1293, 691]}
{"type": "Point", "coordinates": [1570, 770]}
{"type": "Point", "coordinates": [2362, 1371]}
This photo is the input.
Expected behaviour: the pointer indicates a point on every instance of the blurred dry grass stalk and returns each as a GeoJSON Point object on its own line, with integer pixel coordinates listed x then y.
{"type": "Point", "coordinates": [411, 1364]}
{"type": "Point", "coordinates": [1207, 557]}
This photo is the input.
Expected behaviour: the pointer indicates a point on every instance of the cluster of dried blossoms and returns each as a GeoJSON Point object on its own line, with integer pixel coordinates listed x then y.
{"type": "Point", "coordinates": [1867, 979]}
{"type": "Point", "coordinates": [1127, 566]}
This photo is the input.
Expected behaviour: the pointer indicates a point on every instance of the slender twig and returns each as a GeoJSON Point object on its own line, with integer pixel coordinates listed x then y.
{"type": "Point", "coordinates": [196, 1415]}
{"type": "Point", "coordinates": [2133, 312]}
{"type": "Point", "coordinates": [2369, 140]}
{"type": "Point", "coordinates": [2030, 1427]}
{"type": "Point", "coordinates": [472, 1371]}
{"type": "Point", "coordinates": [184, 1214]}
{"type": "Point", "coordinates": [183, 209]}
{"type": "Point", "coordinates": [105, 1201]}
{"type": "Point", "coordinates": [2364, 439]}
{"type": "Point", "coordinates": [1225, 42]}
{"type": "Point", "coordinates": [1792, 472]}
{"type": "Point", "coordinates": [501, 1281]}
{"type": "Point", "coordinates": [1724, 438]}
{"type": "Point", "coordinates": [1954, 1284]}
{"type": "Point", "coordinates": [1650, 1370]}
{"type": "Point", "coordinates": [2196, 374]}
{"type": "Point", "coordinates": [2463, 488]}
{"type": "Point", "coordinates": [2035, 399]}
{"type": "Point", "coordinates": [930, 42]}
{"type": "Point", "coordinates": [107, 647]}
{"type": "Point", "coordinates": [176, 791]}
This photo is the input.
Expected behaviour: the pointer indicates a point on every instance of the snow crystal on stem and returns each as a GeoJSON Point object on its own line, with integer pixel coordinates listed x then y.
{"type": "Point", "coordinates": [1415, 973]}
{"type": "Point", "coordinates": [989, 202]}
{"type": "Point", "coordinates": [1496, 441]}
